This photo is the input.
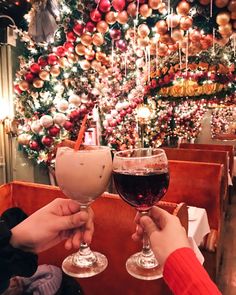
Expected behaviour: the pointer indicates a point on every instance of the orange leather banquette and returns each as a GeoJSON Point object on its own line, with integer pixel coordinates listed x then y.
{"type": "Point", "coordinates": [206, 156]}
{"type": "Point", "coordinates": [114, 226]}
{"type": "Point", "coordinates": [199, 184]}
{"type": "Point", "coordinates": [219, 147]}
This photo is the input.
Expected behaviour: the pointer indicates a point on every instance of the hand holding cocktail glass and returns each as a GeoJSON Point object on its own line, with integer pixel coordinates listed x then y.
{"type": "Point", "coordinates": [83, 175]}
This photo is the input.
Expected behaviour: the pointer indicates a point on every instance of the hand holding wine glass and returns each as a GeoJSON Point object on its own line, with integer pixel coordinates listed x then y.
{"type": "Point", "coordinates": [141, 178]}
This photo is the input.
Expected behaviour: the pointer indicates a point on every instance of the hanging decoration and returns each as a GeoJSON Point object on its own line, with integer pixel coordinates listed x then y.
{"type": "Point", "coordinates": [118, 55]}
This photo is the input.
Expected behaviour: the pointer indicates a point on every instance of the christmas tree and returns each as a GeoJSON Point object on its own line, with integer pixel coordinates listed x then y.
{"type": "Point", "coordinates": [130, 65]}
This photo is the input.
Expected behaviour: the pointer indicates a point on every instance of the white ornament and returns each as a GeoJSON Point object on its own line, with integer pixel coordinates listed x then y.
{"type": "Point", "coordinates": [24, 138]}
{"type": "Point", "coordinates": [119, 106]}
{"type": "Point", "coordinates": [75, 99]}
{"type": "Point", "coordinates": [36, 126]}
{"type": "Point", "coordinates": [59, 119]}
{"type": "Point", "coordinates": [63, 105]}
{"type": "Point", "coordinates": [105, 124]}
{"type": "Point", "coordinates": [114, 113]}
{"type": "Point", "coordinates": [46, 121]}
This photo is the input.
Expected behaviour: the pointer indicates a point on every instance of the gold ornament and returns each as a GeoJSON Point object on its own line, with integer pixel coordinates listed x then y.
{"type": "Point", "coordinates": [122, 17]}
{"type": "Point", "coordinates": [143, 30]}
{"type": "Point", "coordinates": [72, 58]}
{"type": "Point", "coordinates": [80, 49]}
{"type": "Point", "coordinates": [154, 4]}
{"type": "Point", "coordinates": [223, 18]}
{"type": "Point", "coordinates": [132, 9]}
{"type": "Point", "coordinates": [98, 39]}
{"type": "Point", "coordinates": [23, 85]}
{"type": "Point", "coordinates": [145, 10]}
{"type": "Point", "coordinates": [102, 27]}
{"type": "Point", "coordinates": [86, 39]}
{"type": "Point", "coordinates": [84, 64]}
{"type": "Point", "coordinates": [55, 71]}
{"type": "Point", "coordinates": [63, 62]}
{"type": "Point", "coordinates": [110, 17]}
{"type": "Point", "coordinates": [38, 83]}
{"type": "Point", "coordinates": [44, 75]}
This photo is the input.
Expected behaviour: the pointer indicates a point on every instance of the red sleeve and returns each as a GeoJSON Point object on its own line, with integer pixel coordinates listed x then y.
{"type": "Point", "coordinates": [184, 274]}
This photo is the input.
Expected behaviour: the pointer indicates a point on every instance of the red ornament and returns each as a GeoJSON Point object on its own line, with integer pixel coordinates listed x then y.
{"type": "Point", "coordinates": [52, 59]}
{"type": "Point", "coordinates": [47, 140]}
{"type": "Point", "coordinates": [29, 77]}
{"type": "Point", "coordinates": [95, 15]}
{"type": "Point", "coordinates": [78, 29]}
{"type": "Point", "coordinates": [90, 27]}
{"type": "Point", "coordinates": [17, 89]}
{"type": "Point", "coordinates": [54, 131]}
{"type": "Point", "coordinates": [105, 5]}
{"type": "Point", "coordinates": [60, 51]}
{"type": "Point", "coordinates": [74, 114]}
{"type": "Point", "coordinates": [118, 5]}
{"type": "Point", "coordinates": [43, 61]}
{"type": "Point", "coordinates": [69, 46]}
{"type": "Point", "coordinates": [35, 68]}
{"type": "Point", "coordinates": [68, 125]}
{"type": "Point", "coordinates": [70, 36]}
{"type": "Point", "coordinates": [115, 34]}
{"type": "Point", "coordinates": [34, 145]}
{"type": "Point", "coordinates": [122, 113]}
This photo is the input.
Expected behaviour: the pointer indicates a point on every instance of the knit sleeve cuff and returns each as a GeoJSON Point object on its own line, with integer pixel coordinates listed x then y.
{"type": "Point", "coordinates": [185, 275]}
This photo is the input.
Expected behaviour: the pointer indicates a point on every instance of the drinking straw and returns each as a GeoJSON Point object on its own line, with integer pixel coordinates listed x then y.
{"type": "Point", "coordinates": [80, 134]}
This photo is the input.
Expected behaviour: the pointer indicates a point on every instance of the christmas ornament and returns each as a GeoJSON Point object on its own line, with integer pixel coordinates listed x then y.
{"type": "Point", "coordinates": [75, 99]}
{"type": "Point", "coordinates": [35, 68]}
{"type": "Point", "coordinates": [62, 105]}
{"type": "Point", "coordinates": [104, 5]}
{"type": "Point", "coordinates": [78, 29]}
{"type": "Point", "coordinates": [95, 15]}
{"type": "Point", "coordinates": [68, 125]}
{"type": "Point", "coordinates": [47, 141]}
{"type": "Point", "coordinates": [24, 138]}
{"type": "Point", "coordinates": [34, 145]}
{"type": "Point", "coordinates": [102, 27]}
{"type": "Point", "coordinates": [52, 59]}
{"type": "Point", "coordinates": [59, 119]}
{"type": "Point", "coordinates": [44, 75]}
{"type": "Point", "coordinates": [38, 83]}
{"type": "Point", "coordinates": [54, 131]}
{"type": "Point", "coordinates": [118, 5]}
{"type": "Point", "coordinates": [46, 121]}
{"type": "Point", "coordinates": [36, 127]}
{"type": "Point", "coordinates": [23, 85]}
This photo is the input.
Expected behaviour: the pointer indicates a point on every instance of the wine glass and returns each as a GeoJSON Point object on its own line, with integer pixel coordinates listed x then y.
{"type": "Point", "coordinates": [141, 178]}
{"type": "Point", "coordinates": [83, 175]}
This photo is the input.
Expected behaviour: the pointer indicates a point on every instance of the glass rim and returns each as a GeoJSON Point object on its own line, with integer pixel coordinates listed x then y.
{"type": "Point", "coordinates": [116, 154]}
{"type": "Point", "coordinates": [97, 148]}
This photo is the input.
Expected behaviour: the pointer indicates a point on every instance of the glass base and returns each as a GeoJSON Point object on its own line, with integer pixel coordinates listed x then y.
{"type": "Point", "coordinates": [77, 271]}
{"type": "Point", "coordinates": [153, 271]}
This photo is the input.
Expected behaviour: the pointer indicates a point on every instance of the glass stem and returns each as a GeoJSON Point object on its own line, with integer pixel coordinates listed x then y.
{"type": "Point", "coordinates": [84, 257]}
{"type": "Point", "coordinates": [147, 258]}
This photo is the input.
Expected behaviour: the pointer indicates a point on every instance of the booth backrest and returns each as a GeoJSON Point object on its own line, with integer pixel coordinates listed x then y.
{"type": "Point", "coordinates": [197, 184]}
{"type": "Point", "coordinates": [207, 156]}
{"type": "Point", "coordinates": [219, 147]}
{"type": "Point", "coordinates": [114, 225]}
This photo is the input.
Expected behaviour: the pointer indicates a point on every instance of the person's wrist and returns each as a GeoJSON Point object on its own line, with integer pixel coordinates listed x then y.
{"type": "Point", "coordinates": [17, 241]}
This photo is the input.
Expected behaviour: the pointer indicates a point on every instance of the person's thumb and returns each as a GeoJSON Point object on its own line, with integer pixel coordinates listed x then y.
{"type": "Point", "coordinates": [73, 221]}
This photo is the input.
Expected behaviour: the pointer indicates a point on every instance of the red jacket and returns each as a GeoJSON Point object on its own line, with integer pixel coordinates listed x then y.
{"type": "Point", "coordinates": [185, 275]}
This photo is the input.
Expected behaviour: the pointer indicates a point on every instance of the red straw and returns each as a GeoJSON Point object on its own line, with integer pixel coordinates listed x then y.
{"type": "Point", "coordinates": [81, 134]}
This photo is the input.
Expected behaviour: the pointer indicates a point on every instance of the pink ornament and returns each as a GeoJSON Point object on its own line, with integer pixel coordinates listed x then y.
{"type": "Point", "coordinates": [118, 5]}
{"type": "Point", "coordinates": [122, 45]}
{"type": "Point", "coordinates": [115, 34]}
{"type": "Point", "coordinates": [122, 113]}
{"type": "Point", "coordinates": [95, 15]}
{"type": "Point", "coordinates": [105, 5]}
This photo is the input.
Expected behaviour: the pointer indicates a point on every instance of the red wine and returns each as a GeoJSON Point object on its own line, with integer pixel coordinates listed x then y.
{"type": "Point", "coordinates": [141, 190]}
